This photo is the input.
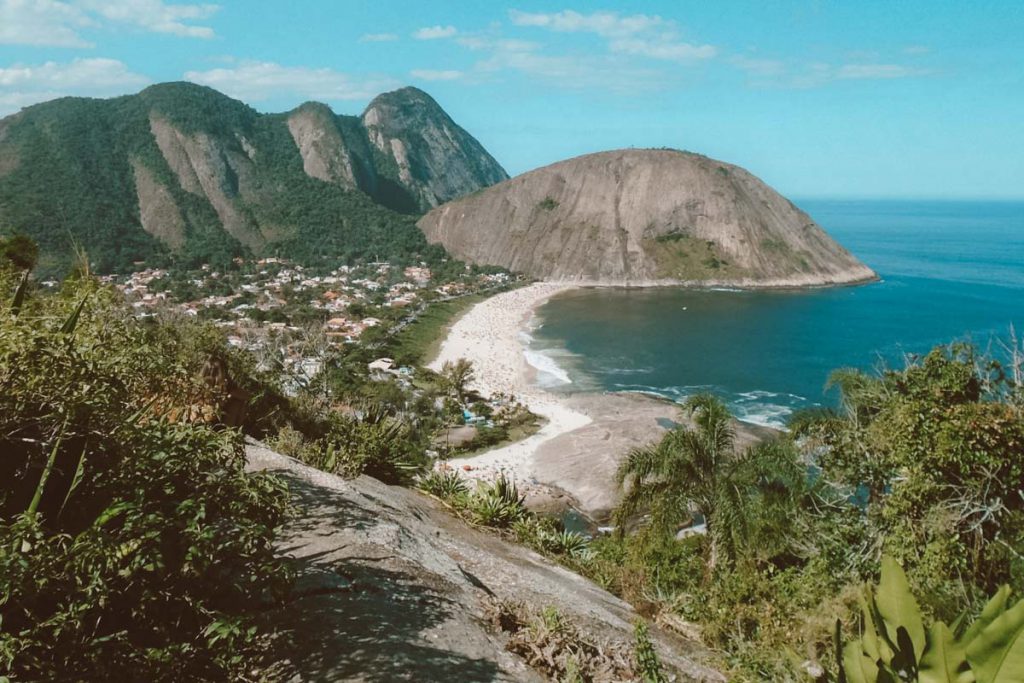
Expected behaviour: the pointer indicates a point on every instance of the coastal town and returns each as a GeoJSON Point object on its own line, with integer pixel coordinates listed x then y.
{"type": "Point", "coordinates": [274, 304]}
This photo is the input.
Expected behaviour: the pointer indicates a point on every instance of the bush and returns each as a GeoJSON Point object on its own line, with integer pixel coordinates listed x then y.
{"type": "Point", "coordinates": [497, 505]}
{"type": "Point", "coordinates": [135, 548]}
{"type": "Point", "coordinates": [376, 444]}
{"type": "Point", "coordinates": [446, 485]}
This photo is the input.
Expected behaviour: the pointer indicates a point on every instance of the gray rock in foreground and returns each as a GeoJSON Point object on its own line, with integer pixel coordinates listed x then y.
{"type": "Point", "coordinates": [392, 587]}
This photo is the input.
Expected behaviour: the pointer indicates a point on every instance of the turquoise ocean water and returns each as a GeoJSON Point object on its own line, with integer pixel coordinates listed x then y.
{"type": "Point", "coordinates": [950, 271]}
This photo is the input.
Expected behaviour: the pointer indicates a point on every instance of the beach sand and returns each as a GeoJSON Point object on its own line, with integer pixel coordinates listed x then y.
{"type": "Point", "coordinates": [572, 459]}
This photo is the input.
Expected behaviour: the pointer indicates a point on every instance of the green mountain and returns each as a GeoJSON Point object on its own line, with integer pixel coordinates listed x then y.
{"type": "Point", "coordinates": [182, 173]}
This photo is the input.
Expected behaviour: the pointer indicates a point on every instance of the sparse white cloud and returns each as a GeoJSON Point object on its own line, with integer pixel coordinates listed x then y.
{"type": "Point", "coordinates": [42, 22]}
{"type": "Point", "coordinates": [916, 50]}
{"type": "Point", "coordinates": [759, 67]}
{"type": "Point", "coordinates": [877, 71]}
{"type": "Point", "coordinates": [434, 32]}
{"type": "Point", "coordinates": [59, 23]}
{"type": "Point", "coordinates": [610, 73]}
{"type": "Point", "coordinates": [25, 84]}
{"type": "Point", "coordinates": [156, 15]}
{"type": "Point", "coordinates": [254, 81]}
{"type": "Point", "coordinates": [637, 34]}
{"type": "Point", "coordinates": [378, 37]}
{"type": "Point", "coordinates": [774, 73]}
{"type": "Point", "coordinates": [436, 75]}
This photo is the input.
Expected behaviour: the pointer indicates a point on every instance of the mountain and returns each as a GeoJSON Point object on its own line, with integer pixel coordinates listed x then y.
{"type": "Point", "coordinates": [643, 217]}
{"type": "Point", "coordinates": [183, 172]}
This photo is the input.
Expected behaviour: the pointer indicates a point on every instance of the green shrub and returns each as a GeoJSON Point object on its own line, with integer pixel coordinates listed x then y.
{"type": "Point", "coordinates": [894, 644]}
{"type": "Point", "coordinates": [134, 548]}
{"type": "Point", "coordinates": [445, 484]}
{"type": "Point", "coordinates": [647, 663]}
{"type": "Point", "coordinates": [497, 504]}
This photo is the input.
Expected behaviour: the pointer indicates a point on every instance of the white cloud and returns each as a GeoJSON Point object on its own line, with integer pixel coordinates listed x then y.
{"type": "Point", "coordinates": [638, 34]}
{"type": "Point", "coordinates": [917, 50]}
{"type": "Point", "coordinates": [759, 67]}
{"type": "Point", "coordinates": [576, 72]}
{"type": "Point", "coordinates": [436, 75]}
{"type": "Point", "coordinates": [877, 71]}
{"type": "Point", "coordinates": [675, 52]}
{"type": "Point", "coordinates": [434, 32]}
{"type": "Point", "coordinates": [378, 37]}
{"type": "Point", "coordinates": [254, 81]}
{"type": "Point", "coordinates": [23, 84]}
{"type": "Point", "coordinates": [59, 23]}
{"type": "Point", "coordinates": [155, 15]}
{"type": "Point", "coordinates": [774, 73]}
{"type": "Point", "coordinates": [42, 22]}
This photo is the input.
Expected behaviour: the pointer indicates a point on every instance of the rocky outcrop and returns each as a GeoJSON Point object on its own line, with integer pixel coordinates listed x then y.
{"type": "Point", "coordinates": [637, 217]}
{"type": "Point", "coordinates": [392, 587]}
{"type": "Point", "coordinates": [209, 168]}
{"type": "Point", "coordinates": [328, 153]}
{"type": "Point", "coordinates": [158, 212]}
{"type": "Point", "coordinates": [424, 151]}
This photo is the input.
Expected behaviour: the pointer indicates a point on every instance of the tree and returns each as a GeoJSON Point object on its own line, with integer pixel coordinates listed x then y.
{"type": "Point", "coordinates": [698, 471]}
{"type": "Point", "coordinates": [931, 453]}
{"type": "Point", "coordinates": [455, 377]}
{"type": "Point", "coordinates": [20, 250]}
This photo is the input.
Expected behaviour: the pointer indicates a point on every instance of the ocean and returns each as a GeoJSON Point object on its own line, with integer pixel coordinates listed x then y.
{"type": "Point", "coordinates": [949, 271]}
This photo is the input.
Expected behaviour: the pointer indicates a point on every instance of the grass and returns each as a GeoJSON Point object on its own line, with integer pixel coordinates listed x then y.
{"type": "Point", "coordinates": [421, 341]}
{"type": "Point", "coordinates": [515, 434]}
{"type": "Point", "coordinates": [683, 257]}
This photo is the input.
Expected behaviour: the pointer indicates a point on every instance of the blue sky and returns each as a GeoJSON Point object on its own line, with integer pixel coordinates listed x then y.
{"type": "Point", "coordinates": [820, 99]}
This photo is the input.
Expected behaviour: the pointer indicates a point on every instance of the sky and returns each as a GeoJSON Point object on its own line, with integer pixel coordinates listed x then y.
{"type": "Point", "coordinates": [855, 99]}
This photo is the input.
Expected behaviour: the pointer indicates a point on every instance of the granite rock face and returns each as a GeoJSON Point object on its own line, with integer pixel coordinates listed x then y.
{"type": "Point", "coordinates": [641, 217]}
{"type": "Point", "coordinates": [392, 587]}
{"type": "Point", "coordinates": [424, 151]}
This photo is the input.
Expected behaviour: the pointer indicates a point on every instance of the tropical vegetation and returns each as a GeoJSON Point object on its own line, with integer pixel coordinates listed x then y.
{"type": "Point", "coordinates": [916, 474]}
{"type": "Point", "coordinates": [133, 544]}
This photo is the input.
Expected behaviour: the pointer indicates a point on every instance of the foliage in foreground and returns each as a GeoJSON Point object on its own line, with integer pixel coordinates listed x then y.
{"type": "Point", "coordinates": [895, 646]}
{"type": "Point", "coordinates": [133, 547]}
{"type": "Point", "coordinates": [922, 463]}
{"type": "Point", "coordinates": [559, 649]}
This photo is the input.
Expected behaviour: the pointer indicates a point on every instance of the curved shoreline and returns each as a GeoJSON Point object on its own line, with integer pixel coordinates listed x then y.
{"type": "Point", "coordinates": [578, 451]}
{"type": "Point", "coordinates": [488, 336]}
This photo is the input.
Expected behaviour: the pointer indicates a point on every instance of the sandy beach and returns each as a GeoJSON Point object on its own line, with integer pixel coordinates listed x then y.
{"type": "Point", "coordinates": [572, 459]}
{"type": "Point", "coordinates": [489, 336]}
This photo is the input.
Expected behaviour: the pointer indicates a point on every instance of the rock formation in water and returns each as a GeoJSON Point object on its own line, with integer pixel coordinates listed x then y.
{"type": "Point", "coordinates": [633, 217]}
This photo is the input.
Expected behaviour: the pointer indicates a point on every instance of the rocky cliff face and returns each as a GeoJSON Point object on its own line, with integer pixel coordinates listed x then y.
{"type": "Point", "coordinates": [392, 587]}
{"type": "Point", "coordinates": [180, 168]}
{"type": "Point", "coordinates": [643, 217]}
{"type": "Point", "coordinates": [424, 151]}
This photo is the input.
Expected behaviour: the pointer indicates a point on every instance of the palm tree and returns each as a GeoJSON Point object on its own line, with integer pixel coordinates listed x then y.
{"type": "Point", "coordinates": [455, 377]}
{"type": "Point", "coordinates": [740, 495]}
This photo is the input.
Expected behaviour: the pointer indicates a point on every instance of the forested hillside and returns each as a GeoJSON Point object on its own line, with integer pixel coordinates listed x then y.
{"type": "Point", "coordinates": [181, 173]}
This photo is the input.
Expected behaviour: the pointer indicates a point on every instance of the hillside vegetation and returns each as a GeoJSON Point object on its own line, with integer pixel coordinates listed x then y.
{"type": "Point", "coordinates": [183, 174]}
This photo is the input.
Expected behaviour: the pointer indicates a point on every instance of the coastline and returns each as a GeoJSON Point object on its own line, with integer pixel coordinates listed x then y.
{"type": "Point", "coordinates": [488, 336]}
{"type": "Point", "coordinates": [571, 461]}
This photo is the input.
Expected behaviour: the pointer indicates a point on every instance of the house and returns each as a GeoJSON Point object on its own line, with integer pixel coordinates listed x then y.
{"type": "Point", "coordinates": [382, 368]}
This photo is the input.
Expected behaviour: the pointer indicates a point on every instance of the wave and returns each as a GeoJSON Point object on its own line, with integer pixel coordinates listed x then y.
{"type": "Point", "coordinates": [549, 371]}
{"type": "Point", "coordinates": [625, 371]}
{"type": "Point", "coordinates": [759, 407]}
